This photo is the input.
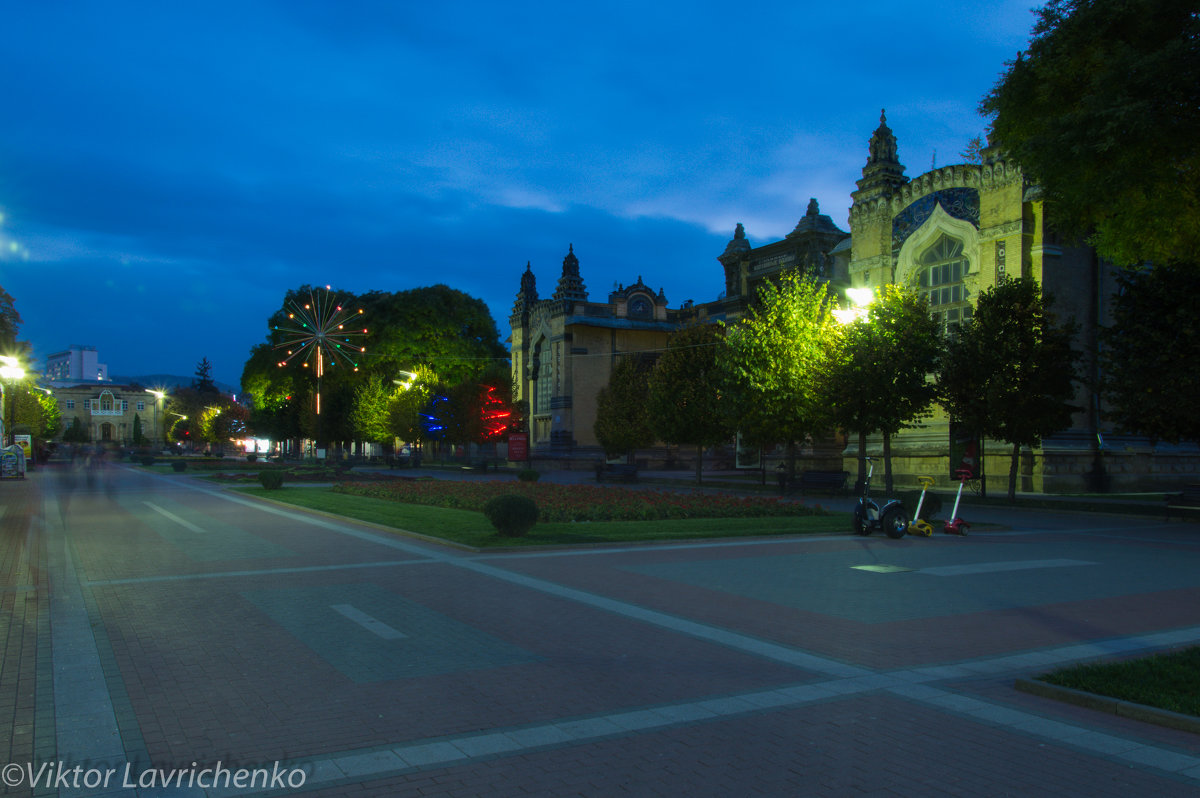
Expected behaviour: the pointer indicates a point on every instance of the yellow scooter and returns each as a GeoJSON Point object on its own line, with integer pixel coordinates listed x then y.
{"type": "Point", "coordinates": [919, 525]}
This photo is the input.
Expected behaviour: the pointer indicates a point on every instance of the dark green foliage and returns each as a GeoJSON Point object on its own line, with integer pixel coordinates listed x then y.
{"type": "Point", "coordinates": [76, 433]}
{"type": "Point", "coordinates": [929, 508]}
{"type": "Point", "coordinates": [684, 402]}
{"type": "Point", "coordinates": [1103, 111]}
{"type": "Point", "coordinates": [1151, 354]}
{"type": "Point", "coordinates": [528, 475]}
{"type": "Point", "coordinates": [179, 465]}
{"type": "Point", "coordinates": [147, 460]}
{"type": "Point", "coordinates": [512, 515]}
{"type": "Point", "coordinates": [879, 381]}
{"type": "Point", "coordinates": [621, 423]}
{"type": "Point", "coordinates": [251, 458]}
{"type": "Point", "coordinates": [1010, 373]}
{"type": "Point", "coordinates": [271, 480]}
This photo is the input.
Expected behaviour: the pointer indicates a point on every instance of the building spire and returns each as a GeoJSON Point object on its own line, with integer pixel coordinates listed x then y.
{"type": "Point", "coordinates": [883, 172]}
{"type": "Point", "coordinates": [570, 285]}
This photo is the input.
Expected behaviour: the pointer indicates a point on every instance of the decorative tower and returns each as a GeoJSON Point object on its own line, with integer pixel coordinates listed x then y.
{"type": "Point", "coordinates": [735, 252]}
{"type": "Point", "coordinates": [883, 173]}
{"type": "Point", "coordinates": [570, 285]}
{"type": "Point", "coordinates": [527, 297]}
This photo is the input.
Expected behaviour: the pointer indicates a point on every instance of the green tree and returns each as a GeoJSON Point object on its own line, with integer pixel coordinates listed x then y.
{"type": "Point", "coordinates": [775, 361]}
{"type": "Point", "coordinates": [274, 395]}
{"type": "Point", "coordinates": [1009, 373]}
{"type": "Point", "coordinates": [622, 423]}
{"type": "Point", "coordinates": [369, 416]}
{"type": "Point", "coordinates": [204, 381]}
{"type": "Point", "coordinates": [684, 402]}
{"type": "Point", "coordinates": [75, 433]}
{"type": "Point", "coordinates": [438, 327]}
{"type": "Point", "coordinates": [139, 439]}
{"type": "Point", "coordinates": [408, 402]}
{"type": "Point", "coordinates": [880, 380]}
{"type": "Point", "coordinates": [1103, 111]}
{"type": "Point", "coordinates": [1148, 352]}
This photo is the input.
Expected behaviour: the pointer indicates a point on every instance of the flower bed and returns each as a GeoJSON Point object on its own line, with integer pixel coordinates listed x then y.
{"type": "Point", "coordinates": [561, 503]}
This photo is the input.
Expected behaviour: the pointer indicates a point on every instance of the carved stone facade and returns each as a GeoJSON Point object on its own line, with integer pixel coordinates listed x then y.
{"type": "Point", "coordinates": [949, 233]}
{"type": "Point", "coordinates": [564, 348]}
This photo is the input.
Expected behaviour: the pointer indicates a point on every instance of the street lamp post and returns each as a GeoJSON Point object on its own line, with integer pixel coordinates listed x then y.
{"type": "Point", "coordinates": [158, 395]}
{"type": "Point", "coordinates": [10, 371]}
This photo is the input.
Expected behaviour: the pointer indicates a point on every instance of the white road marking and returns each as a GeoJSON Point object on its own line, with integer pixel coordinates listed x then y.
{"type": "Point", "coordinates": [370, 623]}
{"type": "Point", "coordinates": [181, 521]}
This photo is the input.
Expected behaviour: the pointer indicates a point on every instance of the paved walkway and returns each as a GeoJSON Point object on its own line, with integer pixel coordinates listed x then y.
{"type": "Point", "coordinates": [162, 629]}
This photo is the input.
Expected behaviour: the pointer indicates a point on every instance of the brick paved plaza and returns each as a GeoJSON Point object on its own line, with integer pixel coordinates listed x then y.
{"type": "Point", "coordinates": [150, 622]}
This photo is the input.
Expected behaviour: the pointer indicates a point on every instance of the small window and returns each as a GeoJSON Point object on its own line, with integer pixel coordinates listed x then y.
{"type": "Point", "coordinates": [87, 404]}
{"type": "Point", "coordinates": [71, 404]}
{"type": "Point", "coordinates": [141, 405]}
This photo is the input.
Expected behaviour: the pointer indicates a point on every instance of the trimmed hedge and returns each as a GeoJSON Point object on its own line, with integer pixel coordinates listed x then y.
{"type": "Point", "coordinates": [528, 475]}
{"type": "Point", "coordinates": [179, 465]}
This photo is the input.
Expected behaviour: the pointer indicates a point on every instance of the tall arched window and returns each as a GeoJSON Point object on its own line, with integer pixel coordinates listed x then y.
{"type": "Point", "coordinates": [942, 269]}
{"type": "Point", "coordinates": [543, 386]}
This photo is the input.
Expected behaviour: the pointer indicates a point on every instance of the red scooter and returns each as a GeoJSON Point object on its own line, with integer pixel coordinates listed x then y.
{"type": "Point", "coordinates": [956, 525]}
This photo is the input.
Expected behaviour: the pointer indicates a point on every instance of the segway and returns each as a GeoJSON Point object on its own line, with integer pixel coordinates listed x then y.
{"type": "Point", "coordinates": [919, 525]}
{"type": "Point", "coordinates": [869, 517]}
{"type": "Point", "coordinates": [955, 525]}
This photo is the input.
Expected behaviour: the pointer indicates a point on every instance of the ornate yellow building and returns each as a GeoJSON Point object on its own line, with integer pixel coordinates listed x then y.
{"type": "Point", "coordinates": [950, 233]}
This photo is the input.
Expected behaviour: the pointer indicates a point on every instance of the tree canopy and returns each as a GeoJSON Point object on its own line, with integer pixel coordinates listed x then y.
{"type": "Point", "coordinates": [684, 400]}
{"type": "Point", "coordinates": [879, 382]}
{"type": "Point", "coordinates": [776, 359]}
{"type": "Point", "coordinates": [1009, 373]}
{"type": "Point", "coordinates": [1149, 353]}
{"type": "Point", "coordinates": [622, 423]}
{"type": "Point", "coordinates": [1103, 111]}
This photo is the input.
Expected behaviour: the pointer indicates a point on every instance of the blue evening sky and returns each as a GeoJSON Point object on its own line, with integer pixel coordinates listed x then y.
{"type": "Point", "coordinates": [169, 170]}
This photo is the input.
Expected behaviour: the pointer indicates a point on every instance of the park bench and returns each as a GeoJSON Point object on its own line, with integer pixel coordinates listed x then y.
{"type": "Point", "coordinates": [823, 481]}
{"type": "Point", "coordinates": [1186, 501]}
{"type": "Point", "coordinates": [616, 472]}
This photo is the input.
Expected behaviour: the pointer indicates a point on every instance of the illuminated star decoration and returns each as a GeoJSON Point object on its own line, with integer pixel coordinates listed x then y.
{"type": "Point", "coordinates": [316, 333]}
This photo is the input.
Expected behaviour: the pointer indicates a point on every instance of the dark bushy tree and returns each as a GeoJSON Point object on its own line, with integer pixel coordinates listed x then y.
{"type": "Point", "coordinates": [1103, 110]}
{"type": "Point", "coordinates": [1009, 373]}
{"type": "Point", "coordinates": [622, 424]}
{"type": "Point", "coordinates": [1149, 353]}
{"type": "Point", "coordinates": [684, 401]}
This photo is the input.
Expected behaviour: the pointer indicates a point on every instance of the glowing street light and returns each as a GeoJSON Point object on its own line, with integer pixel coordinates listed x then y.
{"type": "Point", "coordinates": [10, 372]}
{"type": "Point", "coordinates": [861, 299]}
{"type": "Point", "coordinates": [158, 397]}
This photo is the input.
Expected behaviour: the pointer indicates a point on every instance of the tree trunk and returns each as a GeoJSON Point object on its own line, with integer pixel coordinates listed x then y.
{"type": "Point", "coordinates": [1012, 472]}
{"type": "Point", "coordinates": [862, 463]}
{"type": "Point", "coordinates": [699, 464]}
{"type": "Point", "coordinates": [887, 463]}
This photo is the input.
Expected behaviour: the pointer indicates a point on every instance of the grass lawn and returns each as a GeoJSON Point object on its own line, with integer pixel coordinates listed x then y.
{"type": "Point", "coordinates": [470, 528]}
{"type": "Point", "coordinates": [1167, 681]}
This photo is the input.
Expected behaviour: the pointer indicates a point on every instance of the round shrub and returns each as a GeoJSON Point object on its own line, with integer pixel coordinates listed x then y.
{"type": "Point", "coordinates": [252, 458]}
{"type": "Point", "coordinates": [271, 480]}
{"type": "Point", "coordinates": [512, 516]}
{"type": "Point", "coordinates": [528, 475]}
{"type": "Point", "coordinates": [147, 459]}
{"type": "Point", "coordinates": [179, 465]}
